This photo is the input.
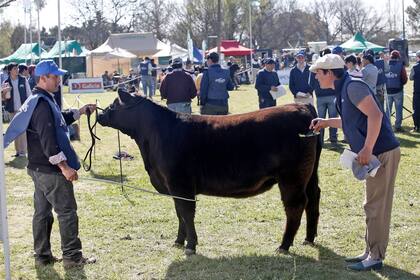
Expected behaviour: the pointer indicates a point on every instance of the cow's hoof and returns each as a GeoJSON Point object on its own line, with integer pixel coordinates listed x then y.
{"type": "Point", "coordinates": [309, 243]}
{"type": "Point", "coordinates": [178, 245]}
{"type": "Point", "coordinates": [189, 252]}
{"type": "Point", "coordinates": [282, 251]}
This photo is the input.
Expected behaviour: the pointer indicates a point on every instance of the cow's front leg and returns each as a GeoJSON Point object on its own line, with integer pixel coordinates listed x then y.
{"type": "Point", "coordinates": [182, 234]}
{"type": "Point", "coordinates": [187, 212]}
{"type": "Point", "coordinates": [294, 200]}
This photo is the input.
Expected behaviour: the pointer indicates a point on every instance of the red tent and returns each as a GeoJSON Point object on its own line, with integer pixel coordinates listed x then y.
{"type": "Point", "coordinates": [232, 47]}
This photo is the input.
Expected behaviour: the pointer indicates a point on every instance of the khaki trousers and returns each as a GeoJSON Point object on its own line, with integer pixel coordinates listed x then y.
{"type": "Point", "coordinates": [378, 204]}
{"type": "Point", "coordinates": [20, 142]}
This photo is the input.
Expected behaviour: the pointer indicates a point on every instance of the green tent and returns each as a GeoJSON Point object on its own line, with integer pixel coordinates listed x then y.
{"type": "Point", "coordinates": [358, 43]}
{"type": "Point", "coordinates": [23, 54]}
{"type": "Point", "coordinates": [68, 48]}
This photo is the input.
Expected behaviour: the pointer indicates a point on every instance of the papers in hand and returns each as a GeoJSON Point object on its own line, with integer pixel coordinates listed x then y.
{"type": "Point", "coordinates": [279, 93]}
{"type": "Point", "coordinates": [361, 172]}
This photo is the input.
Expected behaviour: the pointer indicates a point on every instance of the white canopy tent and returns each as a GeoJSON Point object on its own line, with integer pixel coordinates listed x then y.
{"type": "Point", "coordinates": [138, 44]}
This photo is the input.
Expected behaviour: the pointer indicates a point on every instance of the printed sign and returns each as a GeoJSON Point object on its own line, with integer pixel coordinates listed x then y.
{"type": "Point", "coordinates": [86, 85]}
{"type": "Point", "coordinates": [284, 75]}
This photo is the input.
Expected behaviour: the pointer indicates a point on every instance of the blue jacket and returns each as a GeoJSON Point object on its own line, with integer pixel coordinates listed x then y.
{"type": "Point", "coordinates": [416, 79]}
{"type": "Point", "coordinates": [380, 64]}
{"type": "Point", "coordinates": [264, 81]}
{"type": "Point", "coordinates": [394, 75]}
{"type": "Point", "coordinates": [354, 122]}
{"type": "Point", "coordinates": [215, 84]}
{"type": "Point", "coordinates": [9, 105]}
{"type": "Point", "coordinates": [299, 81]}
{"type": "Point", "coordinates": [21, 120]}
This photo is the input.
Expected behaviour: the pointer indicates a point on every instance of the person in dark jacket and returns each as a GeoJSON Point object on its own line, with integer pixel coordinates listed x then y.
{"type": "Point", "coordinates": [178, 88]}
{"type": "Point", "coordinates": [53, 165]}
{"type": "Point", "coordinates": [396, 79]}
{"type": "Point", "coordinates": [299, 80]}
{"type": "Point", "coordinates": [415, 77]}
{"type": "Point", "coordinates": [15, 90]}
{"type": "Point", "coordinates": [214, 87]}
{"type": "Point", "coordinates": [267, 79]}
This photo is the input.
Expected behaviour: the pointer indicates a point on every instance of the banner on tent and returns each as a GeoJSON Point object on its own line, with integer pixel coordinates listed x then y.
{"type": "Point", "coordinates": [86, 85]}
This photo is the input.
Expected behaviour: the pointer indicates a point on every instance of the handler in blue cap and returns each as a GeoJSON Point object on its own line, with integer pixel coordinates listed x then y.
{"type": "Point", "coordinates": [266, 80]}
{"type": "Point", "coordinates": [52, 164]}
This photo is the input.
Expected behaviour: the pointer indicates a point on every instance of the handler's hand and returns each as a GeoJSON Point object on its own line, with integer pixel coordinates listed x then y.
{"type": "Point", "coordinates": [363, 157]}
{"type": "Point", "coordinates": [90, 107]}
{"type": "Point", "coordinates": [68, 172]}
{"type": "Point", "coordinates": [318, 124]}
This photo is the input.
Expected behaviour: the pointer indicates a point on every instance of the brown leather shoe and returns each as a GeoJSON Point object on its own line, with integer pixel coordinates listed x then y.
{"type": "Point", "coordinates": [48, 261]}
{"type": "Point", "coordinates": [68, 263]}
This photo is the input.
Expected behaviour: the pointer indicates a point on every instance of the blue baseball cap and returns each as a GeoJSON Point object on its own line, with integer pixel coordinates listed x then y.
{"type": "Point", "coordinates": [300, 53]}
{"type": "Point", "coordinates": [48, 66]}
{"type": "Point", "coordinates": [337, 50]}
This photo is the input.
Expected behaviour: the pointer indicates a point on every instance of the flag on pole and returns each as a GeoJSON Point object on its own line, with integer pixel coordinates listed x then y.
{"type": "Point", "coordinates": [190, 47]}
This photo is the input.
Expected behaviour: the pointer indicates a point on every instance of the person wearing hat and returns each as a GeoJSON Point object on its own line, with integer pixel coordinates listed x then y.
{"type": "Point", "coordinates": [214, 87]}
{"type": "Point", "coordinates": [415, 77]}
{"type": "Point", "coordinates": [369, 71]}
{"type": "Point", "coordinates": [299, 80]}
{"type": "Point", "coordinates": [145, 71]}
{"type": "Point", "coordinates": [338, 51]}
{"type": "Point", "coordinates": [52, 165]}
{"type": "Point", "coordinates": [178, 88]}
{"type": "Point", "coordinates": [396, 79]}
{"type": "Point", "coordinates": [368, 132]}
{"type": "Point", "coordinates": [266, 80]}
{"type": "Point", "coordinates": [15, 90]}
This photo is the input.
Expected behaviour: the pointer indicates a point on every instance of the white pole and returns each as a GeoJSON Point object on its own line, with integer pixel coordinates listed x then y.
{"type": "Point", "coordinates": [39, 37]}
{"type": "Point", "coordinates": [250, 37]}
{"type": "Point", "coordinates": [60, 62]}
{"type": "Point", "coordinates": [3, 210]}
{"type": "Point", "coordinates": [30, 32]}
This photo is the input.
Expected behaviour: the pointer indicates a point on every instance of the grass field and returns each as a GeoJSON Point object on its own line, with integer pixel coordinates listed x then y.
{"type": "Point", "coordinates": [131, 234]}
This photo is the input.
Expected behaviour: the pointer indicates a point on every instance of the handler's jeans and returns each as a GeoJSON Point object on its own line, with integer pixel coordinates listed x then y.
{"type": "Point", "coordinates": [398, 98]}
{"type": "Point", "coordinates": [378, 203]}
{"type": "Point", "coordinates": [180, 107]}
{"type": "Point", "coordinates": [147, 83]}
{"type": "Point", "coordinates": [416, 109]}
{"type": "Point", "coordinates": [324, 104]}
{"type": "Point", "coordinates": [53, 191]}
{"type": "Point", "coordinates": [211, 109]}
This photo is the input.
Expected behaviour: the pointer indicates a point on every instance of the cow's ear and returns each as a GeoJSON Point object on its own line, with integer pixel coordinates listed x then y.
{"type": "Point", "coordinates": [124, 95]}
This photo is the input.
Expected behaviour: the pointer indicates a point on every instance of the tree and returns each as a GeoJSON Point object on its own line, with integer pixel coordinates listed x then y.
{"type": "Point", "coordinates": [16, 39]}
{"type": "Point", "coordinates": [6, 30]}
{"type": "Point", "coordinates": [5, 3]}
{"type": "Point", "coordinates": [413, 13]}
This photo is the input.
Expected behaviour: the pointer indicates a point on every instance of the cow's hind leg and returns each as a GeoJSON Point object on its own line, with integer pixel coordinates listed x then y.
{"type": "Point", "coordinates": [313, 193]}
{"type": "Point", "coordinates": [187, 212]}
{"type": "Point", "coordinates": [182, 233]}
{"type": "Point", "coordinates": [294, 200]}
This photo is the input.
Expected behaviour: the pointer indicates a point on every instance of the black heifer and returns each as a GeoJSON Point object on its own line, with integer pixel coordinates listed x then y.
{"type": "Point", "coordinates": [231, 156]}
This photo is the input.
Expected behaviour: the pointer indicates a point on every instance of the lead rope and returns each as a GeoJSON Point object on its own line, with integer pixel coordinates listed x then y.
{"type": "Point", "coordinates": [93, 137]}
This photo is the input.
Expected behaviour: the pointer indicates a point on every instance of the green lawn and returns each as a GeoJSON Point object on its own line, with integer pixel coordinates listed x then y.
{"type": "Point", "coordinates": [131, 235]}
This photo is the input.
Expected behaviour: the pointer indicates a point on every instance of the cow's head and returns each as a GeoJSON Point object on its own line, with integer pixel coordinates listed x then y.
{"type": "Point", "coordinates": [122, 114]}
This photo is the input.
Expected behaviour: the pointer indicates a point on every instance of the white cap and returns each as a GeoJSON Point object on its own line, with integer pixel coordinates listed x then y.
{"type": "Point", "coordinates": [328, 61]}
{"type": "Point", "coordinates": [418, 53]}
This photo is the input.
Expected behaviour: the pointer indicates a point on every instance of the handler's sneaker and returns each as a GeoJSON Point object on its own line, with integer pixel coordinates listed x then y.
{"type": "Point", "coordinates": [359, 258]}
{"type": "Point", "coordinates": [68, 263]}
{"type": "Point", "coordinates": [366, 265]}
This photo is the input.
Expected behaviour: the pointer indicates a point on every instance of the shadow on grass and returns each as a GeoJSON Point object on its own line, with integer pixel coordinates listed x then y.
{"type": "Point", "coordinates": [114, 178]}
{"type": "Point", "coordinates": [335, 147]}
{"type": "Point", "coordinates": [18, 162]}
{"type": "Point", "coordinates": [49, 273]}
{"type": "Point", "coordinates": [329, 265]}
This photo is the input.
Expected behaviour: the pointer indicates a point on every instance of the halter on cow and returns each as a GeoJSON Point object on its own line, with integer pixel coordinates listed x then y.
{"type": "Point", "coordinates": [229, 156]}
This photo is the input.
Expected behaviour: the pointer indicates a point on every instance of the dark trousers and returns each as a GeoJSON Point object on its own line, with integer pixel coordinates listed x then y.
{"type": "Point", "coordinates": [266, 102]}
{"type": "Point", "coordinates": [416, 109]}
{"type": "Point", "coordinates": [53, 191]}
{"type": "Point", "coordinates": [210, 109]}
